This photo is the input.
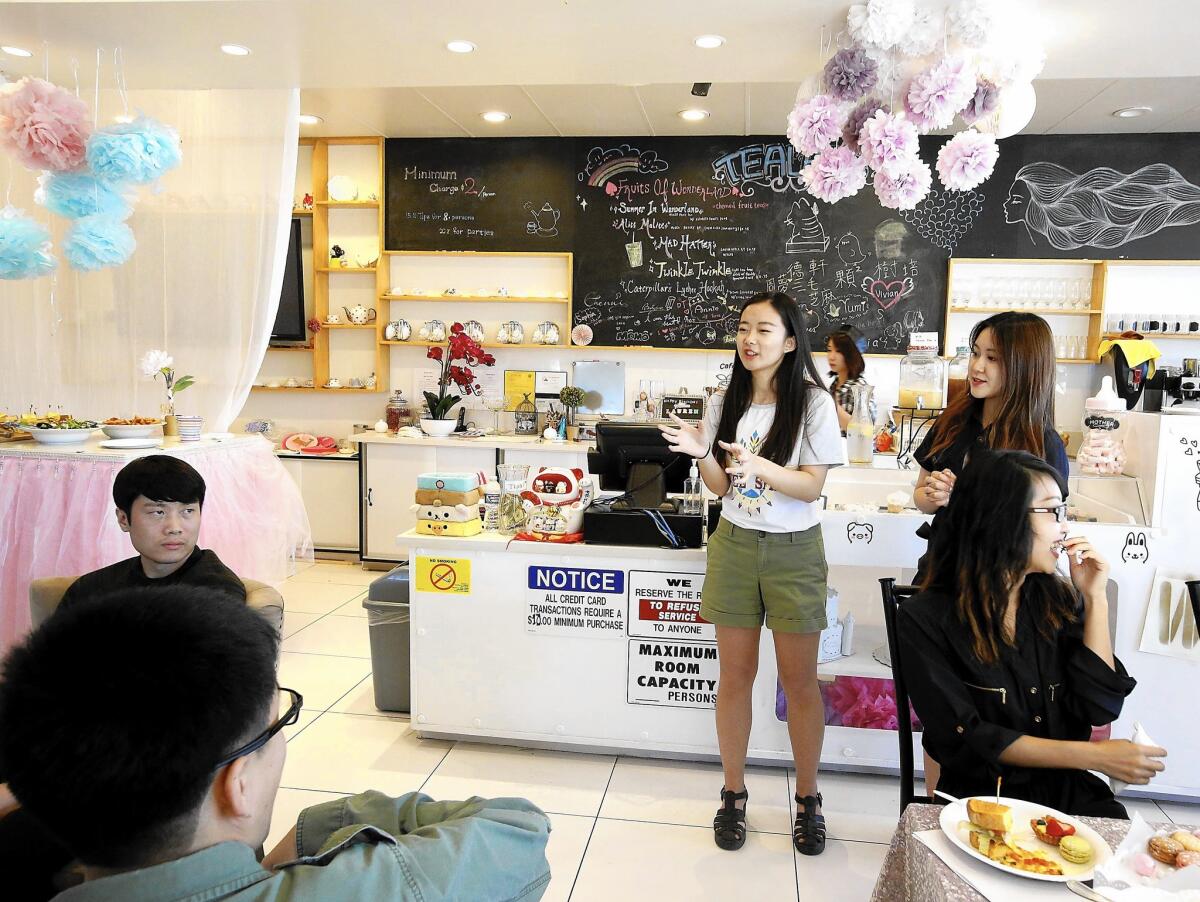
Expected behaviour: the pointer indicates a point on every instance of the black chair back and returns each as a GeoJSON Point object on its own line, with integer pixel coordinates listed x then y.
{"type": "Point", "coordinates": [892, 596]}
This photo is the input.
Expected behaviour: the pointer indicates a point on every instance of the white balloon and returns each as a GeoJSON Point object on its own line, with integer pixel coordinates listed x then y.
{"type": "Point", "coordinates": [1017, 105]}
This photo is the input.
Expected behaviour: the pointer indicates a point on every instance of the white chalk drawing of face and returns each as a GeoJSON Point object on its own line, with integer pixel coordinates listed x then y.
{"type": "Point", "coordinates": [1100, 208]}
{"type": "Point", "coordinates": [850, 250]}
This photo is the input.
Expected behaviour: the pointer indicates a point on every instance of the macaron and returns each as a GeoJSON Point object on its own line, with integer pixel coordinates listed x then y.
{"type": "Point", "coordinates": [1075, 849]}
{"type": "Point", "coordinates": [1164, 849]}
{"type": "Point", "coordinates": [1187, 859]}
{"type": "Point", "coordinates": [1144, 865]}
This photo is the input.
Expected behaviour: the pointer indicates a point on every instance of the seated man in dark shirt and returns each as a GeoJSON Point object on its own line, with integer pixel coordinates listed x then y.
{"type": "Point", "coordinates": [159, 499]}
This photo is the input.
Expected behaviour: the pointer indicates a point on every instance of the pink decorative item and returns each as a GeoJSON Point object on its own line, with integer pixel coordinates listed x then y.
{"type": "Point", "coordinates": [850, 74]}
{"type": "Point", "coordinates": [582, 334]}
{"type": "Point", "coordinates": [854, 123]}
{"type": "Point", "coordinates": [814, 125]}
{"type": "Point", "coordinates": [45, 126]}
{"type": "Point", "coordinates": [939, 92]}
{"type": "Point", "coordinates": [983, 104]}
{"type": "Point", "coordinates": [834, 174]}
{"type": "Point", "coordinates": [905, 190]}
{"type": "Point", "coordinates": [967, 160]}
{"type": "Point", "coordinates": [889, 143]}
{"type": "Point", "coordinates": [862, 702]}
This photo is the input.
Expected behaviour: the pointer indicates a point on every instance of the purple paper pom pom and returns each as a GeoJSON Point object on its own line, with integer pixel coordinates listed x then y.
{"type": "Point", "coordinates": [835, 173]}
{"type": "Point", "coordinates": [938, 93]}
{"type": "Point", "coordinates": [983, 104]}
{"type": "Point", "coordinates": [889, 143]}
{"type": "Point", "coordinates": [967, 160]}
{"type": "Point", "coordinates": [905, 190]}
{"type": "Point", "coordinates": [815, 124]}
{"type": "Point", "coordinates": [859, 115]}
{"type": "Point", "coordinates": [850, 74]}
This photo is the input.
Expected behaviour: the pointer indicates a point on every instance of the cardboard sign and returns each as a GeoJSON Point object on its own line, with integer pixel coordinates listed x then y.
{"type": "Point", "coordinates": [667, 606]}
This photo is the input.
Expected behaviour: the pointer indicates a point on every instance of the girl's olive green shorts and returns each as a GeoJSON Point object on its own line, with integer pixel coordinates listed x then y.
{"type": "Point", "coordinates": [777, 576]}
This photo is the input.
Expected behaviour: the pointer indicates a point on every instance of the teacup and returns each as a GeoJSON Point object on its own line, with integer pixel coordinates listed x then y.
{"type": "Point", "coordinates": [333, 319]}
{"type": "Point", "coordinates": [274, 383]}
{"type": "Point", "coordinates": [334, 383]}
{"type": "Point", "coordinates": [291, 383]}
{"type": "Point", "coordinates": [356, 383]}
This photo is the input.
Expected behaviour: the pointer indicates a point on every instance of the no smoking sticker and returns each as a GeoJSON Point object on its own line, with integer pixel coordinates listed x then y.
{"type": "Point", "coordinates": [444, 575]}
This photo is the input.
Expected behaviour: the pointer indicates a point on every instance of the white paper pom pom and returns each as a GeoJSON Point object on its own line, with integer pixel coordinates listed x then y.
{"type": "Point", "coordinates": [973, 21]}
{"type": "Point", "coordinates": [879, 23]}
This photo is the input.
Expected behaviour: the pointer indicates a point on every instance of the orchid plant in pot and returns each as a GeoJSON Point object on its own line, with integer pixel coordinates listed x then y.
{"type": "Point", "coordinates": [160, 363]}
{"type": "Point", "coordinates": [456, 378]}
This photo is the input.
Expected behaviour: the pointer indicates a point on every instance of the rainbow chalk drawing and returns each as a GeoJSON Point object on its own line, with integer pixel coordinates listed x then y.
{"type": "Point", "coordinates": [603, 165]}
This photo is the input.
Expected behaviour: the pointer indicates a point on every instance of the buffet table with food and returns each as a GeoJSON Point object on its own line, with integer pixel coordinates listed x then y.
{"type": "Point", "coordinates": [56, 506]}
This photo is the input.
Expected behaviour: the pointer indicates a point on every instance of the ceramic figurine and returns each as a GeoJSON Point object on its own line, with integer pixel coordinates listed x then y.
{"type": "Point", "coordinates": [555, 502]}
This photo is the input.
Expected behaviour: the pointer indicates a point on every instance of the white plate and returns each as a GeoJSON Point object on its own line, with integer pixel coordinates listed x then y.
{"type": "Point", "coordinates": [1023, 835]}
{"type": "Point", "coordinates": [128, 443]}
{"type": "Point", "coordinates": [60, 436]}
{"type": "Point", "coordinates": [342, 188]}
{"type": "Point", "coordinates": [130, 431]}
{"type": "Point", "coordinates": [218, 435]}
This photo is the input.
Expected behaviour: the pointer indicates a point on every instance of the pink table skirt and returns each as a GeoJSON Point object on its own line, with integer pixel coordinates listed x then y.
{"type": "Point", "coordinates": [56, 519]}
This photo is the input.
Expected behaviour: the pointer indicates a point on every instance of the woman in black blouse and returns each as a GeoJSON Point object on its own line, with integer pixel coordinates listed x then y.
{"type": "Point", "coordinates": [1009, 665]}
{"type": "Point", "coordinates": [846, 368]}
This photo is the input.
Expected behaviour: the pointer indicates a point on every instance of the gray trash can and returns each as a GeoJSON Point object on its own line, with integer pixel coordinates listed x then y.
{"type": "Point", "coordinates": [388, 619]}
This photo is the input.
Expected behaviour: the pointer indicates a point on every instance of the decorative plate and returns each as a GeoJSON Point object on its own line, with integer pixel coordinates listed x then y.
{"type": "Point", "coordinates": [342, 188]}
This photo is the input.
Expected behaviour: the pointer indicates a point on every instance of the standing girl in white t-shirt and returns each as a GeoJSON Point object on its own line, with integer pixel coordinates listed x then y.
{"type": "Point", "coordinates": [764, 448]}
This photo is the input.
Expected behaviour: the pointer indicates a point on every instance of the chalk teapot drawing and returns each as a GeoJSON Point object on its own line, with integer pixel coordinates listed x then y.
{"type": "Point", "coordinates": [543, 220]}
{"type": "Point", "coordinates": [360, 315]}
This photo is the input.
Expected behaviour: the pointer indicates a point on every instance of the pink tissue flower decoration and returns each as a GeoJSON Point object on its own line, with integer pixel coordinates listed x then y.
{"type": "Point", "coordinates": [938, 93]}
{"type": "Point", "coordinates": [967, 160]}
{"type": "Point", "coordinates": [46, 126]}
{"type": "Point", "coordinates": [835, 173]}
{"type": "Point", "coordinates": [864, 702]}
{"type": "Point", "coordinates": [889, 142]}
{"type": "Point", "coordinates": [814, 125]}
{"type": "Point", "coordinates": [983, 104]}
{"type": "Point", "coordinates": [905, 190]}
{"type": "Point", "coordinates": [857, 118]}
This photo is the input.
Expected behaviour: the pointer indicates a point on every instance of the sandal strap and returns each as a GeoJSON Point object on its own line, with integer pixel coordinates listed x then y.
{"type": "Point", "coordinates": [729, 818]}
{"type": "Point", "coordinates": [809, 829]}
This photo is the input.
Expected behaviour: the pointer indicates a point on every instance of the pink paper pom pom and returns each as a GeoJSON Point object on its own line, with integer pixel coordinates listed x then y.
{"type": "Point", "coordinates": [939, 92]}
{"type": "Point", "coordinates": [983, 104]}
{"type": "Point", "coordinates": [858, 116]}
{"type": "Point", "coordinates": [889, 142]}
{"type": "Point", "coordinates": [835, 173]}
{"type": "Point", "coordinates": [850, 74]}
{"type": "Point", "coordinates": [815, 124]}
{"type": "Point", "coordinates": [44, 125]}
{"type": "Point", "coordinates": [905, 190]}
{"type": "Point", "coordinates": [967, 160]}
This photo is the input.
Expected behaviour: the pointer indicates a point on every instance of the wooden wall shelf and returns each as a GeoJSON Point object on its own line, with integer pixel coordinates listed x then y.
{"type": "Point", "coordinates": [349, 269]}
{"type": "Point", "coordinates": [361, 204]}
{"type": "Point", "coordinates": [1060, 311]}
{"type": "Point", "coordinates": [1155, 336]}
{"type": "Point", "coordinates": [468, 299]}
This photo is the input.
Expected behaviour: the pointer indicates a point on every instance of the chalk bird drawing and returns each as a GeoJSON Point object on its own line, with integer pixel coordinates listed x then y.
{"type": "Point", "coordinates": [1101, 207]}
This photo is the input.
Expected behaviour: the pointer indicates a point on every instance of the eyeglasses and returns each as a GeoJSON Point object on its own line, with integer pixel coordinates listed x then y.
{"type": "Point", "coordinates": [290, 717]}
{"type": "Point", "coordinates": [1059, 511]}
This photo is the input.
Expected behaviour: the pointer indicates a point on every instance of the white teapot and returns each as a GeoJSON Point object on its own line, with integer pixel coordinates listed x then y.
{"type": "Point", "coordinates": [474, 329]}
{"type": "Point", "coordinates": [360, 315]}
{"type": "Point", "coordinates": [398, 330]}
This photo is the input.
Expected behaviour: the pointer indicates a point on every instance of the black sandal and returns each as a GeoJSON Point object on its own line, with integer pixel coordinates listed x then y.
{"type": "Point", "coordinates": [729, 826]}
{"type": "Point", "coordinates": [808, 834]}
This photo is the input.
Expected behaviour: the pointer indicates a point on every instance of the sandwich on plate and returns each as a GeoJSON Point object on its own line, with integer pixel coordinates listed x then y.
{"type": "Point", "coordinates": [989, 832]}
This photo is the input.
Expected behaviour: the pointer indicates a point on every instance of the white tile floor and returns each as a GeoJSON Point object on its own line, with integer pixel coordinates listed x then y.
{"type": "Point", "coordinates": [623, 828]}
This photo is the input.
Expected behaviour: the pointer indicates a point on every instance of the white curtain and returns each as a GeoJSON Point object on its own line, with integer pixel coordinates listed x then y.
{"type": "Point", "coordinates": [202, 285]}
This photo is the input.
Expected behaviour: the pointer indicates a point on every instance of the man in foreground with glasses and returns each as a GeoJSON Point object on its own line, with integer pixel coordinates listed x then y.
{"type": "Point", "coordinates": [144, 728]}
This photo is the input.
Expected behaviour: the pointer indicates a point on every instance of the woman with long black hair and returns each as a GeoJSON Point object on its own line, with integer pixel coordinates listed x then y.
{"type": "Point", "coordinates": [1008, 663]}
{"type": "Point", "coordinates": [764, 449]}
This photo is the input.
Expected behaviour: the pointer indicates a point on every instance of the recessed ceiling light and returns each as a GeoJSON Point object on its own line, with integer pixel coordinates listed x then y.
{"type": "Point", "coordinates": [235, 50]}
{"type": "Point", "coordinates": [310, 119]}
{"type": "Point", "coordinates": [17, 51]}
{"type": "Point", "coordinates": [693, 115]}
{"type": "Point", "coordinates": [460, 46]}
{"type": "Point", "coordinates": [495, 116]}
{"type": "Point", "coordinates": [709, 41]}
{"type": "Point", "coordinates": [1132, 112]}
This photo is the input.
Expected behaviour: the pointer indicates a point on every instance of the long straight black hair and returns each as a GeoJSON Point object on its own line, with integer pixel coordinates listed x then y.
{"type": "Point", "coordinates": [796, 376]}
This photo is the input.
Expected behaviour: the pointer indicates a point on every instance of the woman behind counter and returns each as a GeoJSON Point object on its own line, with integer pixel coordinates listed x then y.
{"type": "Point", "coordinates": [1009, 664]}
{"type": "Point", "coordinates": [846, 367]}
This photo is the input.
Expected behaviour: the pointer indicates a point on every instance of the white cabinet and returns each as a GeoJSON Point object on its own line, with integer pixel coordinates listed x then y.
{"type": "Point", "coordinates": [389, 485]}
{"type": "Point", "coordinates": [329, 487]}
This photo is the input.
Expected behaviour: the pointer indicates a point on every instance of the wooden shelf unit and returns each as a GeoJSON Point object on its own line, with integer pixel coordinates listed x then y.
{"type": "Point", "coordinates": [467, 299]}
{"type": "Point", "coordinates": [484, 345]}
{"type": "Point", "coordinates": [344, 269]}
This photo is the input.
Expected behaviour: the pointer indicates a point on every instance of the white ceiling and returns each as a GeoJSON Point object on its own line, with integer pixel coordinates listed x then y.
{"type": "Point", "coordinates": [581, 67]}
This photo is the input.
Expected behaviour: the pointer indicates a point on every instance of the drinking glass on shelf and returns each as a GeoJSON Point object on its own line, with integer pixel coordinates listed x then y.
{"type": "Point", "coordinates": [1085, 293]}
{"type": "Point", "coordinates": [1073, 294]}
{"type": "Point", "coordinates": [1021, 299]}
{"type": "Point", "coordinates": [497, 406]}
{"type": "Point", "coordinates": [1060, 346]}
{"type": "Point", "coordinates": [1041, 292]}
{"type": "Point", "coordinates": [1058, 294]}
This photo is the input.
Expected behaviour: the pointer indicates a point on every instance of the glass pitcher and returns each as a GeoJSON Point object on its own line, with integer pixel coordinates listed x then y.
{"type": "Point", "coordinates": [512, 507]}
{"type": "Point", "coordinates": [860, 431]}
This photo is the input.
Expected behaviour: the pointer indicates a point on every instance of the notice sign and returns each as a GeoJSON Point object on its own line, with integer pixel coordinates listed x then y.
{"type": "Point", "coordinates": [444, 575]}
{"type": "Point", "coordinates": [667, 605]}
{"type": "Point", "coordinates": [673, 674]}
{"type": "Point", "coordinates": [575, 601]}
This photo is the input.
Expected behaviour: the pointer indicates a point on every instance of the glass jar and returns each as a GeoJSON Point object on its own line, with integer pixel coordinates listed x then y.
{"type": "Point", "coordinates": [398, 412]}
{"type": "Point", "coordinates": [860, 431]}
{"type": "Point", "coordinates": [958, 374]}
{"type": "Point", "coordinates": [526, 416]}
{"type": "Point", "coordinates": [922, 375]}
{"type": "Point", "coordinates": [511, 516]}
{"type": "Point", "coordinates": [1102, 451]}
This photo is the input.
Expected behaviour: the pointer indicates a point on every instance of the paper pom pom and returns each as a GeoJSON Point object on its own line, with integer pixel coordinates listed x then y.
{"type": "Point", "coordinates": [939, 92]}
{"type": "Point", "coordinates": [854, 123]}
{"type": "Point", "coordinates": [835, 173]}
{"type": "Point", "coordinates": [889, 143]}
{"type": "Point", "coordinates": [973, 21]}
{"type": "Point", "coordinates": [1016, 63]}
{"type": "Point", "coordinates": [905, 190]}
{"type": "Point", "coordinates": [814, 125]}
{"type": "Point", "coordinates": [879, 23]}
{"type": "Point", "coordinates": [966, 161]}
{"type": "Point", "coordinates": [25, 249]}
{"type": "Point", "coordinates": [95, 242]}
{"type": "Point", "coordinates": [44, 125]}
{"type": "Point", "coordinates": [983, 104]}
{"type": "Point", "coordinates": [139, 151]}
{"type": "Point", "coordinates": [582, 334]}
{"type": "Point", "coordinates": [923, 34]}
{"type": "Point", "coordinates": [78, 194]}
{"type": "Point", "coordinates": [850, 74]}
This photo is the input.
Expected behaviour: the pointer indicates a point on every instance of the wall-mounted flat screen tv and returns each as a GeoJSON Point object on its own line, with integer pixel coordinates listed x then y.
{"type": "Point", "coordinates": [289, 320]}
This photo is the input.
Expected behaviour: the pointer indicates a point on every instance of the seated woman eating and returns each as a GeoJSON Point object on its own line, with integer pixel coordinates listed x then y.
{"type": "Point", "coordinates": [1008, 663]}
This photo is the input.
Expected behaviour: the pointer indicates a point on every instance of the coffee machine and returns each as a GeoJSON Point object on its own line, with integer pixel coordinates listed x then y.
{"type": "Point", "coordinates": [1182, 391]}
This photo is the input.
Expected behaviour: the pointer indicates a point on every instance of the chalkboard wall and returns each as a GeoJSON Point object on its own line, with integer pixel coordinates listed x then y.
{"type": "Point", "coordinates": [671, 235]}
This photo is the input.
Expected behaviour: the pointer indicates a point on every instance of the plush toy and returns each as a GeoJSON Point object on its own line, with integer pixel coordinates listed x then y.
{"type": "Point", "coordinates": [447, 496]}
{"type": "Point", "coordinates": [458, 520]}
{"type": "Point", "coordinates": [554, 504]}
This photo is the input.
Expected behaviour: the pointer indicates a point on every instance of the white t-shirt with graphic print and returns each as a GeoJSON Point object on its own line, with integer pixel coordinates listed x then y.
{"type": "Point", "coordinates": [755, 505]}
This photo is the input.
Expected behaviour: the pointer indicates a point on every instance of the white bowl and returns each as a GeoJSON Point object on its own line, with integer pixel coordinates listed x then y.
{"type": "Point", "coordinates": [131, 431]}
{"type": "Point", "coordinates": [61, 436]}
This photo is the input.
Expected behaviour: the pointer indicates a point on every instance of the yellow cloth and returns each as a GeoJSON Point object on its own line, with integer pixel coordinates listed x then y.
{"type": "Point", "coordinates": [1136, 351]}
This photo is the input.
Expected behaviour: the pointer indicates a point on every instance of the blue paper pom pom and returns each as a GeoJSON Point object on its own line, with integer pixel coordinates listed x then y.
{"type": "Point", "coordinates": [24, 246]}
{"type": "Point", "coordinates": [95, 242]}
{"type": "Point", "coordinates": [78, 194]}
{"type": "Point", "coordinates": [139, 151]}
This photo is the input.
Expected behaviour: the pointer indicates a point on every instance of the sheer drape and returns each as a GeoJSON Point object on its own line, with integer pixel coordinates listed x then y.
{"type": "Point", "coordinates": [203, 284]}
